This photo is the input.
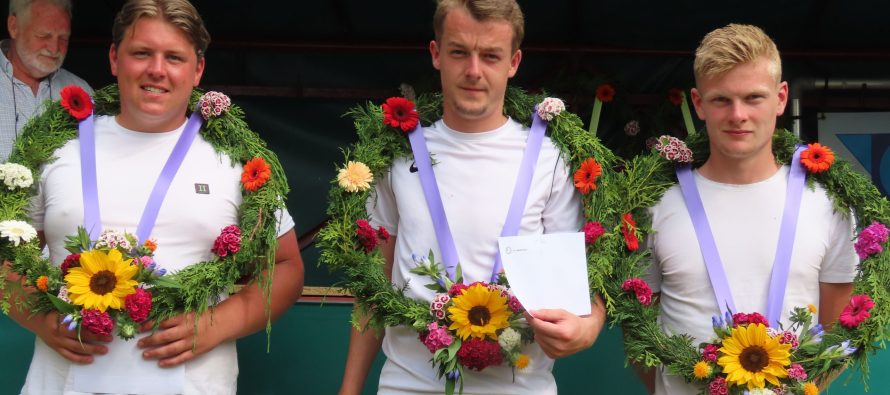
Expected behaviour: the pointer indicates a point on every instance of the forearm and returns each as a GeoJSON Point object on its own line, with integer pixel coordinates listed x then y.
{"type": "Point", "coordinates": [363, 348]}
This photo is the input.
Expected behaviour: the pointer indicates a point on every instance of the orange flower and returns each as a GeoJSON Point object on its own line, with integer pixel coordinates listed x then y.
{"type": "Point", "coordinates": [629, 231]}
{"type": "Point", "coordinates": [42, 283]}
{"type": "Point", "coordinates": [585, 177]}
{"type": "Point", "coordinates": [522, 361]}
{"type": "Point", "coordinates": [817, 158]}
{"type": "Point", "coordinates": [605, 93]}
{"type": "Point", "coordinates": [256, 173]}
{"type": "Point", "coordinates": [151, 244]}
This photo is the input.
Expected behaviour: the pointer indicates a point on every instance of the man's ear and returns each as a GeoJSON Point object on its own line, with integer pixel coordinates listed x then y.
{"type": "Point", "coordinates": [11, 27]}
{"type": "Point", "coordinates": [434, 53]}
{"type": "Point", "coordinates": [112, 59]}
{"type": "Point", "coordinates": [695, 95]}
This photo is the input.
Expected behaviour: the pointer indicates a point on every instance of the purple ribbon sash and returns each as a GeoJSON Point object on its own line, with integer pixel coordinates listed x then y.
{"type": "Point", "coordinates": [782, 260]}
{"type": "Point", "coordinates": [91, 215]}
{"type": "Point", "coordinates": [447, 248]}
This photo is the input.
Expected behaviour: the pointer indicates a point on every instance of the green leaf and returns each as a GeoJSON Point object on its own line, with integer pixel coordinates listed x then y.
{"type": "Point", "coordinates": [62, 306]}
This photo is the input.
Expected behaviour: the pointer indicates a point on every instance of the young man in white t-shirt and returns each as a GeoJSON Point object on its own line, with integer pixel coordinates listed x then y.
{"type": "Point", "coordinates": [158, 58]}
{"type": "Point", "coordinates": [739, 93]}
{"type": "Point", "coordinates": [477, 150]}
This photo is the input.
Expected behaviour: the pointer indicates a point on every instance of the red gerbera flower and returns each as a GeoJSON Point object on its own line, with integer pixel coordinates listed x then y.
{"type": "Point", "coordinates": [856, 312]}
{"type": "Point", "coordinates": [605, 93]}
{"type": "Point", "coordinates": [629, 230]}
{"type": "Point", "coordinates": [817, 158]}
{"type": "Point", "coordinates": [585, 177]}
{"type": "Point", "coordinates": [256, 173]}
{"type": "Point", "coordinates": [675, 96]}
{"type": "Point", "coordinates": [399, 112]}
{"type": "Point", "coordinates": [76, 101]}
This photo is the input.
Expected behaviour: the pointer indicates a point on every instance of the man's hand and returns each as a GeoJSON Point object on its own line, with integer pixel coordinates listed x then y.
{"type": "Point", "coordinates": [560, 333]}
{"type": "Point", "coordinates": [57, 336]}
{"type": "Point", "coordinates": [177, 340]}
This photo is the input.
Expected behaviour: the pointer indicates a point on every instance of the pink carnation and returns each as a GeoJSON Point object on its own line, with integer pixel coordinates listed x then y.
{"type": "Point", "coordinates": [228, 241]}
{"type": "Point", "coordinates": [639, 288]}
{"type": "Point", "coordinates": [709, 353]}
{"type": "Point", "coordinates": [871, 239]}
{"type": "Point", "coordinates": [797, 372]}
{"type": "Point", "coordinates": [435, 337]}
{"type": "Point", "coordinates": [437, 306]}
{"type": "Point", "coordinates": [514, 305]}
{"type": "Point", "coordinates": [457, 289]}
{"type": "Point", "coordinates": [70, 261]}
{"type": "Point", "coordinates": [718, 386]}
{"type": "Point", "coordinates": [788, 337]}
{"type": "Point", "coordinates": [593, 231]}
{"type": "Point", "coordinates": [746, 319]}
{"type": "Point", "coordinates": [856, 312]}
{"type": "Point", "coordinates": [478, 354]}
{"type": "Point", "coordinates": [138, 305]}
{"type": "Point", "coordinates": [97, 322]}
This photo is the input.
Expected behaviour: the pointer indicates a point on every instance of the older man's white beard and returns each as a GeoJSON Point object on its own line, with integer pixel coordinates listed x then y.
{"type": "Point", "coordinates": [35, 65]}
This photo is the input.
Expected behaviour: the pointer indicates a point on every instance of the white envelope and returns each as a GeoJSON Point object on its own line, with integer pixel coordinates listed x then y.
{"type": "Point", "coordinates": [123, 371]}
{"type": "Point", "coordinates": [547, 271]}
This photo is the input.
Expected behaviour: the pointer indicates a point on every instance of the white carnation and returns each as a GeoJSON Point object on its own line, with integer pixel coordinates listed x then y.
{"type": "Point", "coordinates": [509, 339]}
{"type": "Point", "coordinates": [15, 176]}
{"type": "Point", "coordinates": [17, 231]}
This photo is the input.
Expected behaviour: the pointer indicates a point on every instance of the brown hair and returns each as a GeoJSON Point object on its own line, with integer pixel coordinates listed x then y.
{"type": "Point", "coordinates": [732, 45]}
{"type": "Point", "coordinates": [179, 13]}
{"type": "Point", "coordinates": [483, 10]}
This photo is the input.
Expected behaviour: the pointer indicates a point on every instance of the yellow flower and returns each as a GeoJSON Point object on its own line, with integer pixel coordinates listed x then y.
{"type": "Point", "coordinates": [702, 370]}
{"type": "Point", "coordinates": [479, 312]}
{"type": "Point", "coordinates": [522, 361]}
{"type": "Point", "coordinates": [103, 280]}
{"type": "Point", "coordinates": [356, 176]}
{"type": "Point", "coordinates": [811, 308]}
{"type": "Point", "coordinates": [810, 389]}
{"type": "Point", "coordinates": [750, 356]}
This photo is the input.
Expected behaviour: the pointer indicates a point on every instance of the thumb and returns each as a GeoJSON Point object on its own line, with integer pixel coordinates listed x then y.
{"type": "Point", "coordinates": [548, 315]}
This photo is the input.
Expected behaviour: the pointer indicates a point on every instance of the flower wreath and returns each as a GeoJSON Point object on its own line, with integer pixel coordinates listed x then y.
{"type": "Point", "coordinates": [795, 358]}
{"type": "Point", "coordinates": [139, 290]}
{"type": "Point", "coordinates": [348, 243]}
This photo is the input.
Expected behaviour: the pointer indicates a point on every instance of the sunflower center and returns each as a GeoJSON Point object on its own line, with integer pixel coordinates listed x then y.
{"type": "Point", "coordinates": [754, 358]}
{"type": "Point", "coordinates": [479, 315]}
{"type": "Point", "coordinates": [103, 282]}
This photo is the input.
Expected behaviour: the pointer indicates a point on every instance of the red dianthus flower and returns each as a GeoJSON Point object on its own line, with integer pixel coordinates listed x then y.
{"type": "Point", "coordinates": [138, 305]}
{"type": "Point", "coordinates": [97, 322]}
{"type": "Point", "coordinates": [478, 354]}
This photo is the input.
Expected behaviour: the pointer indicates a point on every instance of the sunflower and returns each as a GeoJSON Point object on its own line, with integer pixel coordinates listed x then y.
{"type": "Point", "coordinates": [585, 177]}
{"type": "Point", "coordinates": [750, 356]}
{"type": "Point", "coordinates": [103, 280]}
{"type": "Point", "coordinates": [479, 312]}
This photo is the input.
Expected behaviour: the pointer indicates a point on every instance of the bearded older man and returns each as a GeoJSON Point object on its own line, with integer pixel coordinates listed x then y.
{"type": "Point", "coordinates": [31, 63]}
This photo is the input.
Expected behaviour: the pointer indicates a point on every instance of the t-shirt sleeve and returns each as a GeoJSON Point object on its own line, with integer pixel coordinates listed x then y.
{"type": "Point", "coordinates": [839, 264]}
{"type": "Point", "coordinates": [381, 205]}
{"type": "Point", "coordinates": [563, 210]}
{"type": "Point", "coordinates": [37, 205]}
{"type": "Point", "coordinates": [285, 221]}
{"type": "Point", "coordinates": [652, 275]}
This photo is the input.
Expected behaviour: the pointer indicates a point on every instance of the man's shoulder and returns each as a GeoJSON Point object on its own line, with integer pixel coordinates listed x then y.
{"type": "Point", "coordinates": [66, 78]}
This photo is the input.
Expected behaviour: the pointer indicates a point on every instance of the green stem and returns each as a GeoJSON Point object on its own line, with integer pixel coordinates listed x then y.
{"type": "Point", "coordinates": [687, 115]}
{"type": "Point", "coordinates": [595, 116]}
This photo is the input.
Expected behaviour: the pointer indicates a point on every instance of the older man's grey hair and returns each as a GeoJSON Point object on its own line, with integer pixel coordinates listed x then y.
{"type": "Point", "coordinates": [22, 9]}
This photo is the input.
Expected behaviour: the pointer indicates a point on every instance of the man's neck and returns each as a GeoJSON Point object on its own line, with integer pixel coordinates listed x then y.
{"type": "Point", "coordinates": [464, 125]}
{"type": "Point", "coordinates": [739, 171]}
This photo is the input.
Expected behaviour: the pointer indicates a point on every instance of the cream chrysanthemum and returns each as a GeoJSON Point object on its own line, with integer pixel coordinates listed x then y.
{"type": "Point", "coordinates": [355, 177]}
{"type": "Point", "coordinates": [17, 231]}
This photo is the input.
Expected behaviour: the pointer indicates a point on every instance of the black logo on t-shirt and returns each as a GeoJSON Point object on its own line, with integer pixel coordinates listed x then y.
{"type": "Point", "coordinates": [202, 189]}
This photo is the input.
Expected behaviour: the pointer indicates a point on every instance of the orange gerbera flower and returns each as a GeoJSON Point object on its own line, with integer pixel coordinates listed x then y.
{"type": "Point", "coordinates": [151, 244]}
{"type": "Point", "coordinates": [817, 158]}
{"type": "Point", "coordinates": [605, 93]}
{"type": "Point", "coordinates": [585, 177]}
{"type": "Point", "coordinates": [256, 173]}
{"type": "Point", "coordinates": [42, 283]}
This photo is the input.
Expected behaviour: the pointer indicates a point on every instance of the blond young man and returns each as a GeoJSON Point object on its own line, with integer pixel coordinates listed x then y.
{"type": "Point", "coordinates": [476, 51]}
{"type": "Point", "coordinates": [158, 58]}
{"type": "Point", "coordinates": [739, 93]}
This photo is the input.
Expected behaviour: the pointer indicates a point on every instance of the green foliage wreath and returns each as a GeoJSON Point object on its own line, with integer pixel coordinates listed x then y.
{"type": "Point", "coordinates": [192, 289]}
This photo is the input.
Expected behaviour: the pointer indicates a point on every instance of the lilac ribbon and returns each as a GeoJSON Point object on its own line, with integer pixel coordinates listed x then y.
{"type": "Point", "coordinates": [90, 191]}
{"type": "Point", "coordinates": [447, 248]}
{"type": "Point", "coordinates": [782, 260]}
{"type": "Point", "coordinates": [162, 185]}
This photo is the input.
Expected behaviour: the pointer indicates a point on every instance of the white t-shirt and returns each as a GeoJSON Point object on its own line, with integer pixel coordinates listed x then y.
{"type": "Point", "coordinates": [476, 173]}
{"type": "Point", "coordinates": [745, 222]}
{"type": "Point", "coordinates": [127, 165]}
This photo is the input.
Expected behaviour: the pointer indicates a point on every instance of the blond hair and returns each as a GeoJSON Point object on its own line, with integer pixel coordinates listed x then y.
{"type": "Point", "coordinates": [179, 13]}
{"type": "Point", "coordinates": [483, 10]}
{"type": "Point", "coordinates": [727, 47]}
